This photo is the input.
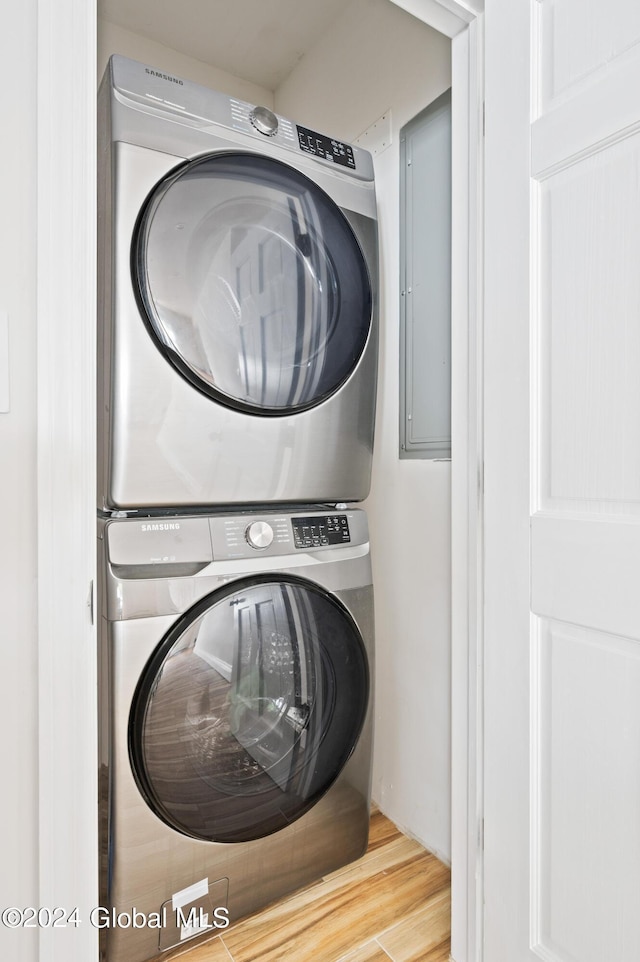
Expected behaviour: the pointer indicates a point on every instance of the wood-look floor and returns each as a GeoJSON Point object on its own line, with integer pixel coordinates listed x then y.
{"type": "Point", "coordinates": [392, 904]}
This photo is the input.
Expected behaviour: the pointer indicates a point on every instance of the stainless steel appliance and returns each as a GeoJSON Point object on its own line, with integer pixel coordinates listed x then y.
{"type": "Point", "coordinates": [237, 304]}
{"type": "Point", "coordinates": [236, 657]}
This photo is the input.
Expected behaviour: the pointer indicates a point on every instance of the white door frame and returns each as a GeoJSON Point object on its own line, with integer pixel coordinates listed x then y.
{"type": "Point", "coordinates": [462, 21]}
{"type": "Point", "coordinates": [466, 496]}
{"type": "Point", "coordinates": [66, 444]}
{"type": "Point", "coordinates": [66, 310]}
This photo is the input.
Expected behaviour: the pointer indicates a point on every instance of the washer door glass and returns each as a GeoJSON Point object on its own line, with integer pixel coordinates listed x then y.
{"type": "Point", "coordinates": [248, 710]}
{"type": "Point", "coordinates": [252, 283]}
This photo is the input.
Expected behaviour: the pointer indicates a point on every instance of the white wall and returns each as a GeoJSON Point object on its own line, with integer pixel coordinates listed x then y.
{"type": "Point", "coordinates": [19, 676]}
{"type": "Point", "coordinates": [374, 58]}
{"type": "Point", "coordinates": [115, 39]}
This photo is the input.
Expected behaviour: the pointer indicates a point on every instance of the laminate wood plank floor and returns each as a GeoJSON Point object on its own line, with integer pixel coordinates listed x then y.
{"type": "Point", "coordinates": [392, 905]}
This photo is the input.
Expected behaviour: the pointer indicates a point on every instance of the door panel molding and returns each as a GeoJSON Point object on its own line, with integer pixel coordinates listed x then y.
{"type": "Point", "coordinates": [592, 120]}
{"type": "Point", "coordinates": [586, 572]}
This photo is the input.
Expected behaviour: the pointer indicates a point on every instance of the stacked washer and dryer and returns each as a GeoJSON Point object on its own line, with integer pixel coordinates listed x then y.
{"type": "Point", "coordinates": [236, 396]}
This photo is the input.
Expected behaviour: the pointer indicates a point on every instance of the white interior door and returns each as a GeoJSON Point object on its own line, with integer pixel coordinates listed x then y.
{"type": "Point", "coordinates": [562, 481]}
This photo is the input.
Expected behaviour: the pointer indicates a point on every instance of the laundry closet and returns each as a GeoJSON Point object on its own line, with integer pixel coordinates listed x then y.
{"type": "Point", "coordinates": [373, 66]}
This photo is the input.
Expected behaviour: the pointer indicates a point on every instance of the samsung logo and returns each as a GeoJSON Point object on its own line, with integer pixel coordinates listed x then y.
{"type": "Point", "coordinates": [164, 76]}
{"type": "Point", "coordinates": [161, 526]}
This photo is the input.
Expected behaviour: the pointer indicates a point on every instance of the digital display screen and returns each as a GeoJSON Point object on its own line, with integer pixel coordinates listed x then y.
{"type": "Point", "coordinates": [317, 532]}
{"type": "Point", "coordinates": [321, 146]}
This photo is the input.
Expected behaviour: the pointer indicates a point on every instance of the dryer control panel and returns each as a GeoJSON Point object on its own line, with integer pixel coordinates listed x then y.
{"type": "Point", "coordinates": [321, 146]}
{"type": "Point", "coordinates": [164, 95]}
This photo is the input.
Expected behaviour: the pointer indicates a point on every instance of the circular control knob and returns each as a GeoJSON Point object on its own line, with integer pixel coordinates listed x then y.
{"type": "Point", "coordinates": [259, 534]}
{"type": "Point", "coordinates": [264, 120]}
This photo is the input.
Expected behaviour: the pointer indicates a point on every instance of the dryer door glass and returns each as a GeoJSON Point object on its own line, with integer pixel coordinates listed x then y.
{"type": "Point", "coordinates": [252, 283]}
{"type": "Point", "coordinates": [248, 710]}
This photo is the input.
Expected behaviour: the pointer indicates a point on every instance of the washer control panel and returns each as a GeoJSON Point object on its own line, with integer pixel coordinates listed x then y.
{"type": "Point", "coordinates": [273, 534]}
{"type": "Point", "coordinates": [165, 547]}
{"type": "Point", "coordinates": [317, 532]}
{"type": "Point", "coordinates": [239, 536]}
{"type": "Point", "coordinates": [259, 535]}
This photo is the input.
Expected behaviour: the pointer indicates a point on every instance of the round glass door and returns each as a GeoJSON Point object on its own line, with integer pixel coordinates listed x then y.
{"type": "Point", "coordinates": [248, 710]}
{"type": "Point", "coordinates": [252, 283]}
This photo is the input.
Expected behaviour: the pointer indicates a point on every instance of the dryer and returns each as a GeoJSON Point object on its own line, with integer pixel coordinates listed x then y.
{"type": "Point", "coordinates": [236, 658]}
{"type": "Point", "coordinates": [237, 301]}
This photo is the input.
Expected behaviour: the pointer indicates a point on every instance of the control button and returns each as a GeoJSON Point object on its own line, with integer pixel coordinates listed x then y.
{"type": "Point", "coordinates": [264, 120]}
{"type": "Point", "coordinates": [259, 534]}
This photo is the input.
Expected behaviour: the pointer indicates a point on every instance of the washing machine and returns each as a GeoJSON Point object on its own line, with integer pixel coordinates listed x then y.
{"type": "Point", "coordinates": [236, 664]}
{"type": "Point", "coordinates": [237, 301]}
